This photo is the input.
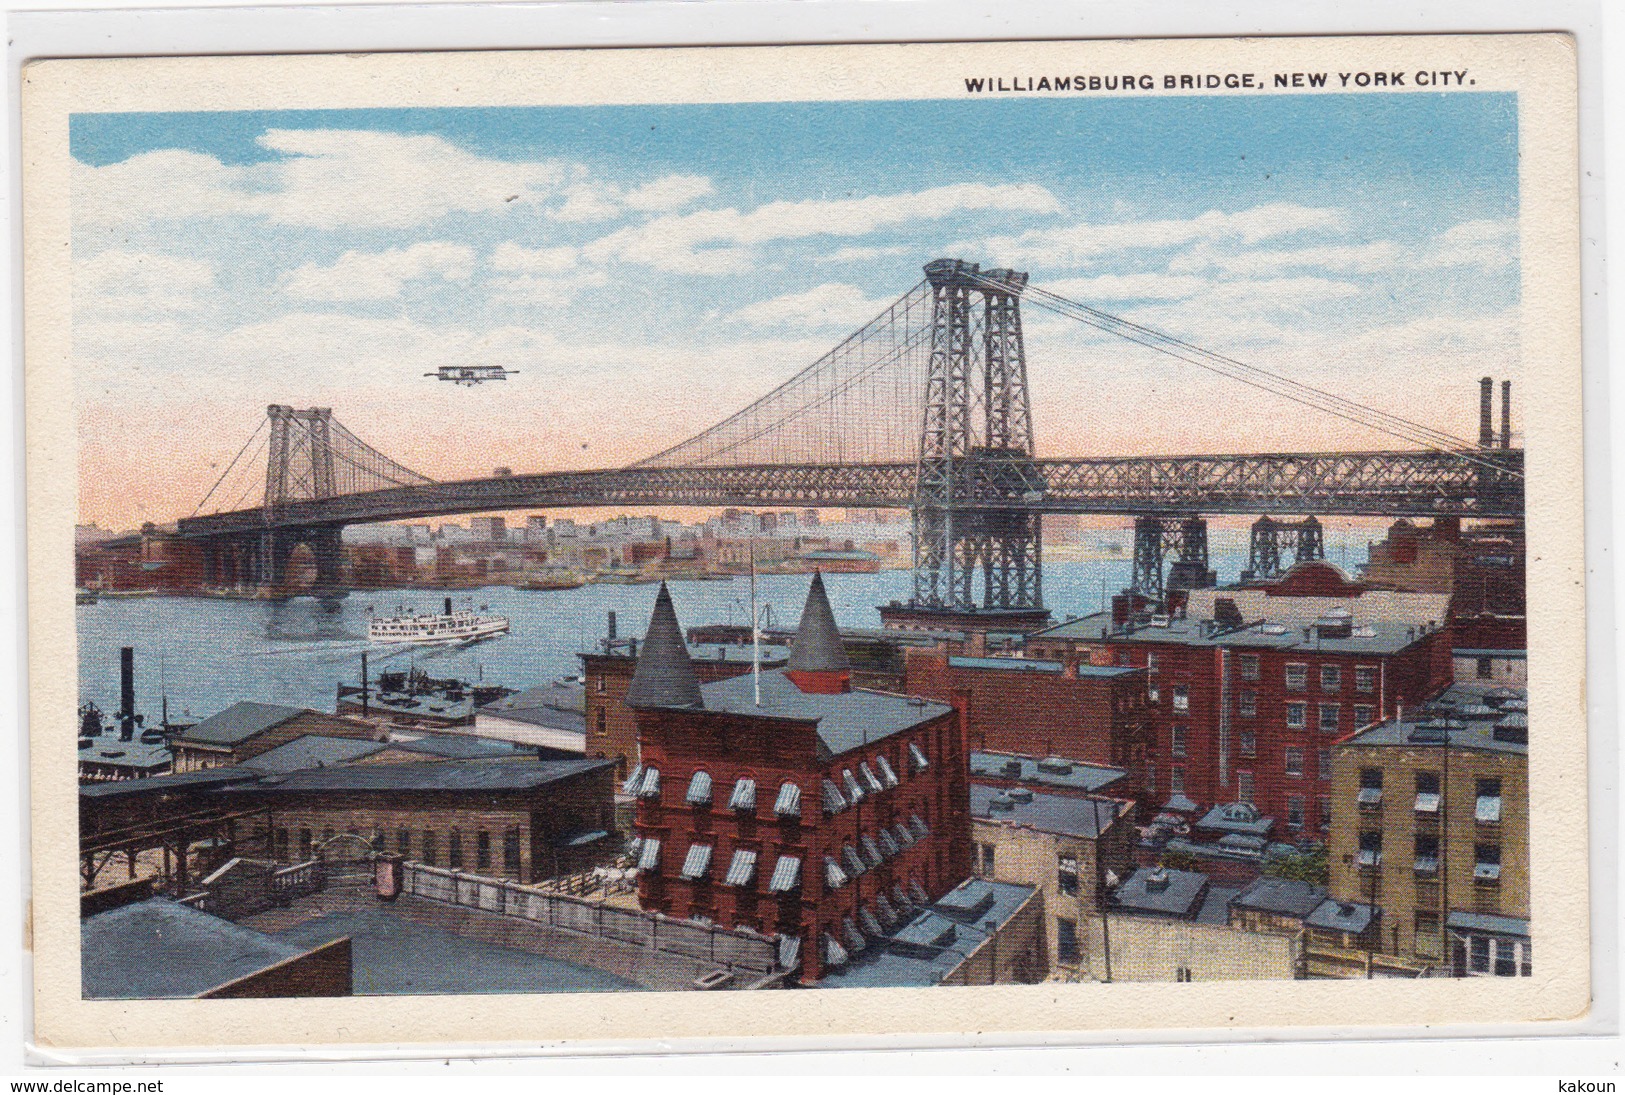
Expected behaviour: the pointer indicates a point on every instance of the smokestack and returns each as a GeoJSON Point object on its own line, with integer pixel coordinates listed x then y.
{"type": "Point", "coordinates": [448, 599]}
{"type": "Point", "coordinates": [1486, 431]}
{"type": "Point", "coordinates": [126, 682]}
{"type": "Point", "coordinates": [1506, 414]}
{"type": "Point", "coordinates": [612, 623]}
{"type": "Point", "coordinates": [366, 688]}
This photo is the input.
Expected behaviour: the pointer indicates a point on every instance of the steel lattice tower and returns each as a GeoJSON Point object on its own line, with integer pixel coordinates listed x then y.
{"type": "Point", "coordinates": [969, 463]}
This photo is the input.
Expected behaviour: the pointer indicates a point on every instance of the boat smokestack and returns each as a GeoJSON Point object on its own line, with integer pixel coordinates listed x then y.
{"type": "Point", "coordinates": [126, 682]}
{"type": "Point", "coordinates": [612, 624]}
{"type": "Point", "coordinates": [448, 606]}
{"type": "Point", "coordinates": [1486, 431]}
{"type": "Point", "coordinates": [1506, 414]}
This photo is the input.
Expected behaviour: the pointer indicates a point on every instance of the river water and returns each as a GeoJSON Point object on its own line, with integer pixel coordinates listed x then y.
{"type": "Point", "coordinates": [208, 654]}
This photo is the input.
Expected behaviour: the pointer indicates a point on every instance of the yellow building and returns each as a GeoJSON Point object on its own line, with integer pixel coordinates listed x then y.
{"type": "Point", "coordinates": [1430, 825]}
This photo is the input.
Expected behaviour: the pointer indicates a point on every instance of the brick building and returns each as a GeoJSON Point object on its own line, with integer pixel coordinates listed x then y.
{"type": "Point", "coordinates": [1250, 688]}
{"type": "Point", "coordinates": [1431, 828]}
{"type": "Point", "coordinates": [1096, 714]}
{"type": "Point", "coordinates": [812, 811]}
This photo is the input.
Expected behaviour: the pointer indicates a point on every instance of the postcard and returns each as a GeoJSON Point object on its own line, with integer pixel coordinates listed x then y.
{"type": "Point", "coordinates": [560, 547]}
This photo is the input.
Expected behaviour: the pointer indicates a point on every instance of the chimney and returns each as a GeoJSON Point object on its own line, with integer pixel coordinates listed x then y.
{"type": "Point", "coordinates": [126, 684]}
{"type": "Point", "coordinates": [1486, 432]}
{"type": "Point", "coordinates": [1506, 414]}
{"type": "Point", "coordinates": [818, 661]}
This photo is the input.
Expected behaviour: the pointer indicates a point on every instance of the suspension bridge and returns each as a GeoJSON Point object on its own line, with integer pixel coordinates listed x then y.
{"type": "Point", "coordinates": [924, 408]}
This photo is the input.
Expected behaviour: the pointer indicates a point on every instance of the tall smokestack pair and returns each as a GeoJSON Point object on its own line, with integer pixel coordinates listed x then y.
{"type": "Point", "coordinates": [1486, 422]}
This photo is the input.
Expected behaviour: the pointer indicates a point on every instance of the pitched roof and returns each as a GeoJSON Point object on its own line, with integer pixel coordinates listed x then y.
{"type": "Point", "coordinates": [315, 751]}
{"type": "Point", "coordinates": [1288, 896]}
{"type": "Point", "coordinates": [818, 646]}
{"type": "Point", "coordinates": [239, 722]}
{"type": "Point", "coordinates": [160, 949]}
{"type": "Point", "coordinates": [664, 676]}
{"type": "Point", "coordinates": [844, 720]}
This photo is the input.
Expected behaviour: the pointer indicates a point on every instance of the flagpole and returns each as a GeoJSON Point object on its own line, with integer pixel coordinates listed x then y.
{"type": "Point", "coordinates": [755, 629]}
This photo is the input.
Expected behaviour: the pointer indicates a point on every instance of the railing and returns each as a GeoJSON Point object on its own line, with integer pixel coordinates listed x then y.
{"type": "Point", "coordinates": [298, 880]}
{"type": "Point", "coordinates": [732, 948]}
{"type": "Point", "coordinates": [202, 901]}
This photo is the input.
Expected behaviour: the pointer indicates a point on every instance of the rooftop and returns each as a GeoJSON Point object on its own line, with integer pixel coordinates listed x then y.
{"type": "Point", "coordinates": [1284, 896]}
{"type": "Point", "coordinates": [558, 696]}
{"type": "Point", "coordinates": [1033, 665]}
{"type": "Point", "coordinates": [450, 775]}
{"type": "Point", "coordinates": [239, 722]}
{"type": "Point", "coordinates": [1479, 716]}
{"type": "Point", "coordinates": [107, 749]}
{"type": "Point", "coordinates": [160, 949]}
{"type": "Point", "coordinates": [199, 780]}
{"type": "Point", "coordinates": [1085, 818]}
{"type": "Point", "coordinates": [315, 751]}
{"type": "Point", "coordinates": [845, 720]}
{"type": "Point", "coordinates": [1162, 892]}
{"type": "Point", "coordinates": [1343, 916]}
{"type": "Point", "coordinates": [1045, 772]}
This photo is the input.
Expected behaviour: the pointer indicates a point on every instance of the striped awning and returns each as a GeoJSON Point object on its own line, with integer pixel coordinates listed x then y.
{"type": "Point", "coordinates": [888, 844]}
{"type": "Point", "coordinates": [649, 854]}
{"type": "Point", "coordinates": [871, 782]}
{"type": "Point", "coordinates": [834, 877]}
{"type": "Point", "coordinates": [918, 757]}
{"type": "Point", "coordinates": [888, 776]}
{"type": "Point", "coordinates": [650, 788]}
{"type": "Point", "coordinates": [699, 790]}
{"type": "Point", "coordinates": [789, 952]}
{"type": "Point", "coordinates": [744, 796]}
{"type": "Point", "coordinates": [834, 953]}
{"type": "Point", "coordinates": [833, 802]}
{"type": "Point", "coordinates": [633, 782]}
{"type": "Point", "coordinates": [742, 869]}
{"type": "Point", "coordinates": [917, 824]}
{"type": "Point", "coordinates": [849, 784]}
{"type": "Point", "coordinates": [852, 861]}
{"type": "Point", "coordinates": [786, 874]}
{"type": "Point", "coordinates": [788, 804]}
{"type": "Point", "coordinates": [871, 853]}
{"type": "Point", "coordinates": [697, 862]}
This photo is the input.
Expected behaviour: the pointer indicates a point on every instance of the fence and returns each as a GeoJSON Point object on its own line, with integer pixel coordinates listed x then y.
{"type": "Point", "coordinates": [737, 950]}
{"type": "Point", "coordinates": [298, 880]}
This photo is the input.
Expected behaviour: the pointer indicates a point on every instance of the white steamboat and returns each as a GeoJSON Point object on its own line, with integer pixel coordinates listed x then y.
{"type": "Point", "coordinates": [460, 626]}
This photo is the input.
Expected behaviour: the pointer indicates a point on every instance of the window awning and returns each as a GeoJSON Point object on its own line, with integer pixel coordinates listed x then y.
{"type": "Point", "coordinates": [742, 869]}
{"type": "Point", "coordinates": [904, 901]}
{"type": "Point", "coordinates": [871, 782]}
{"type": "Point", "coordinates": [1369, 796]}
{"type": "Point", "coordinates": [789, 952]}
{"type": "Point", "coordinates": [788, 804]}
{"type": "Point", "coordinates": [917, 891]}
{"type": "Point", "coordinates": [918, 757]}
{"type": "Point", "coordinates": [834, 953]}
{"type": "Point", "coordinates": [871, 853]}
{"type": "Point", "coordinates": [579, 838]}
{"type": "Point", "coordinates": [849, 784]}
{"type": "Point", "coordinates": [888, 775]}
{"type": "Point", "coordinates": [744, 795]}
{"type": "Point", "coordinates": [904, 837]}
{"type": "Point", "coordinates": [1427, 802]}
{"type": "Point", "coordinates": [1488, 809]}
{"type": "Point", "coordinates": [888, 844]}
{"type": "Point", "coordinates": [699, 790]}
{"type": "Point", "coordinates": [833, 802]}
{"type": "Point", "coordinates": [870, 925]}
{"type": "Point", "coordinates": [697, 862]}
{"type": "Point", "coordinates": [834, 877]}
{"type": "Point", "coordinates": [649, 855]}
{"type": "Point", "coordinates": [852, 861]}
{"type": "Point", "coordinates": [786, 874]}
{"type": "Point", "coordinates": [633, 782]}
{"type": "Point", "coordinates": [854, 938]}
{"type": "Point", "coordinates": [650, 788]}
{"type": "Point", "coordinates": [884, 910]}
{"type": "Point", "coordinates": [917, 824]}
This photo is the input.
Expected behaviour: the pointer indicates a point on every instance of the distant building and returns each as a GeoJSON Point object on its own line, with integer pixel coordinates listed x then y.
{"type": "Point", "coordinates": [1168, 925]}
{"type": "Point", "coordinates": [245, 730]}
{"type": "Point", "coordinates": [551, 716]}
{"type": "Point", "coordinates": [536, 529]}
{"type": "Point", "coordinates": [488, 530]}
{"type": "Point", "coordinates": [820, 814]}
{"type": "Point", "coordinates": [1431, 826]}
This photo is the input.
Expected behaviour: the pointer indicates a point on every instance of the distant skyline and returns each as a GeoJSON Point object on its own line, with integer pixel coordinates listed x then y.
{"type": "Point", "coordinates": [649, 270]}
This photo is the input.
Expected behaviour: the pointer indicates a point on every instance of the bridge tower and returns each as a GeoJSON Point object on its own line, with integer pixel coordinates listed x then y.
{"type": "Point", "coordinates": [976, 455]}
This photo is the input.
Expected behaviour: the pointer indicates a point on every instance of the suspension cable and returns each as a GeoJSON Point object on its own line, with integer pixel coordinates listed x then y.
{"type": "Point", "coordinates": [229, 466]}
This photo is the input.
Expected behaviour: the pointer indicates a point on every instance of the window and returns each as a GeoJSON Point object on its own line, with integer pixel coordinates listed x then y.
{"type": "Point", "coordinates": [601, 727]}
{"type": "Point", "coordinates": [1370, 853]}
{"type": "Point", "coordinates": [1183, 974]}
{"type": "Point", "coordinates": [1124, 660]}
{"type": "Point", "coordinates": [1182, 697]}
{"type": "Point", "coordinates": [1244, 786]}
{"type": "Point", "coordinates": [1249, 666]}
{"type": "Point", "coordinates": [1153, 693]}
{"type": "Point", "coordinates": [429, 847]}
{"type": "Point", "coordinates": [1365, 678]}
{"type": "Point", "coordinates": [1297, 715]}
{"type": "Point", "coordinates": [482, 850]}
{"type": "Point", "coordinates": [1427, 792]}
{"type": "Point", "coordinates": [1297, 676]}
{"type": "Point", "coordinates": [1506, 958]}
{"type": "Point", "coordinates": [1150, 662]}
{"type": "Point", "coordinates": [1294, 811]}
{"type": "Point", "coordinates": [1151, 778]}
{"type": "Point", "coordinates": [1488, 809]}
{"type": "Point", "coordinates": [1067, 874]}
{"type": "Point", "coordinates": [510, 852]}
{"type": "Point", "coordinates": [1323, 764]}
{"type": "Point", "coordinates": [1323, 805]}
{"type": "Point", "coordinates": [1330, 716]}
{"type": "Point", "coordinates": [1247, 704]}
{"type": "Point", "coordinates": [379, 841]}
{"type": "Point", "coordinates": [305, 843]}
{"type": "Point", "coordinates": [1486, 669]}
{"type": "Point", "coordinates": [403, 841]}
{"type": "Point", "coordinates": [454, 850]}
{"type": "Point", "coordinates": [1429, 940]}
{"type": "Point", "coordinates": [1066, 941]}
{"type": "Point", "coordinates": [1331, 678]}
{"type": "Point", "coordinates": [1249, 744]}
{"type": "Point", "coordinates": [1176, 780]}
{"type": "Point", "coordinates": [598, 683]}
{"type": "Point", "coordinates": [281, 852]}
{"type": "Point", "coordinates": [1427, 854]}
{"type": "Point", "coordinates": [1479, 947]}
{"type": "Point", "coordinates": [1486, 863]}
{"type": "Point", "coordinates": [984, 860]}
{"type": "Point", "coordinates": [1292, 761]}
{"type": "Point", "coordinates": [1364, 715]}
{"type": "Point", "coordinates": [1370, 793]}
{"type": "Point", "coordinates": [1176, 741]}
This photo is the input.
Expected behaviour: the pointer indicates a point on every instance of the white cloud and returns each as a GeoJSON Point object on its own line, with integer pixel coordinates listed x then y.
{"type": "Point", "coordinates": [1365, 258]}
{"type": "Point", "coordinates": [598, 201]}
{"type": "Point", "coordinates": [826, 305]}
{"type": "Point", "coordinates": [325, 178]}
{"type": "Point", "coordinates": [1081, 243]}
{"type": "Point", "coordinates": [862, 254]}
{"type": "Point", "coordinates": [1146, 286]}
{"type": "Point", "coordinates": [670, 192]}
{"type": "Point", "coordinates": [720, 241]}
{"type": "Point", "coordinates": [380, 275]}
{"type": "Point", "coordinates": [511, 258]}
{"type": "Point", "coordinates": [133, 281]}
{"type": "Point", "coordinates": [1488, 243]}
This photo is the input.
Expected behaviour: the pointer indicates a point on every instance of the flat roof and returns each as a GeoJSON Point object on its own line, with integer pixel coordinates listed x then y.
{"type": "Point", "coordinates": [315, 751]}
{"type": "Point", "coordinates": [201, 779]}
{"type": "Point", "coordinates": [1044, 772]}
{"type": "Point", "coordinates": [428, 775]}
{"type": "Point", "coordinates": [108, 749]}
{"type": "Point", "coordinates": [161, 949]}
{"type": "Point", "coordinates": [1063, 815]}
{"type": "Point", "coordinates": [1467, 715]}
{"type": "Point", "coordinates": [1343, 916]}
{"type": "Point", "coordinates": [1035, 665]}
{"type": "Point", "coordinates": [1488, 922]}
{"type": "Point", "coordinates": [1286, 896]}
{"type": "Point", "coordinates": [844, 720]}
{"type": "Point", "coordinates": [1182, 896]}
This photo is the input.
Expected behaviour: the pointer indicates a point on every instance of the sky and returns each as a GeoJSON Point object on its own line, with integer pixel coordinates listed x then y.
{"type": "Point", "coordinates": [650, 269]}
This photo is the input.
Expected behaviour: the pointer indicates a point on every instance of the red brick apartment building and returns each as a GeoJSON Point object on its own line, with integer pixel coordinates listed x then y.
{"type": "Point", "coordinates": [1250, 688]}
{"type": "Point", "coordinates": [815, 811]}
{"type": "Point", "coordinates": [1094, 714]}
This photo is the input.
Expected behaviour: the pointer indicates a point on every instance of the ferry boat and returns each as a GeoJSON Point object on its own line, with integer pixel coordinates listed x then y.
{"type": "Point", "coordinates": [460, 626]}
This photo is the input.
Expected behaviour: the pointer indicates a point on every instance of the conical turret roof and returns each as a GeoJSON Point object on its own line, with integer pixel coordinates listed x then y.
{"type": "Point", "coordinates": [664, 676]}
{"type": "Point", "coordinates": [818, 647]}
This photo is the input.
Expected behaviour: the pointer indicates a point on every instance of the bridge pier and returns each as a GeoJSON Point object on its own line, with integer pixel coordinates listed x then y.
{"type": "Point", "coordinates": [1271, 539]}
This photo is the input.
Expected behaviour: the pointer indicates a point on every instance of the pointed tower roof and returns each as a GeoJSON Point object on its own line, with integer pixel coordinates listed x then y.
{"type": "Point", "coordinates": [818, 660]}
{"type": "Point", "coordinates": [664, 676]}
